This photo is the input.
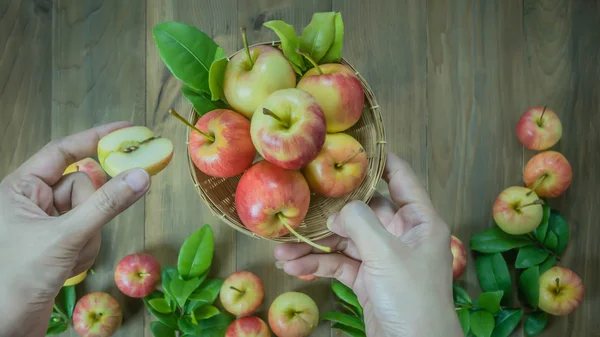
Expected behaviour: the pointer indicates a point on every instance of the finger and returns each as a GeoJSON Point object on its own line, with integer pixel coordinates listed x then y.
{"type": "Point", "coordinates": [292, 250]}
{"type": "Point", "coordinates": [404, 185]}
{"type": "Point", "coordinates": [71, 191]}
{"type": "Point", "coordinates": [384, 208]}
{"type": "Point", "coordinates": [338, 266]}
{"type": "Point", "coordinates": [51, 161]}
{"type": "Point", "coordinates": [106, 203]}
{"type": "Point", "coordinates": [33, 189]}
{"type": "Point", "coordinates": [87, 255]}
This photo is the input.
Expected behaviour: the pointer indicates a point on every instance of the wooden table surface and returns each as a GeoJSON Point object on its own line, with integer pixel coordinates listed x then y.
{"type": "Point", "coordinates": [452, 78]}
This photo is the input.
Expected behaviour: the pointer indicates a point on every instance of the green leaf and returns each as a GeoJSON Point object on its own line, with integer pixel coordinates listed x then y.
{"type": "Point", "coordinates": [160, 330]}
{"type": "Point", "coordinates": [464, 317]}
{"type": "Point", "coordinates": [166, 275]}
{"type": "Point", "coordinates": [187, 52]}
{"type": "Point", "coordinates": [196, 253]}
{"type": "Point", "coordinates": [344, 319]}
{"type": "Point", "coordinates": [56, 327]}
{"type": "Point", "coordinates": [334, 54]}
{"type": "Point", "coordinates": [69, 298]}
{"type": "Point", "coordinates": [530, 256]}
{"type": "Point", "coordinates": [551, 241]}
{"type": "Point", "coordinates": [549, 263]}
{"type": "Point", "coordinates": [461, 297]}
{"type": "Point", "coordinates": [350, 331]}
{"type": "Point", "coordinates": [347, 295]}
{"type": "Point", "coordinates": [490, 301]}
{"type": "Point", "coordinates": [215, 79]}
{"type": "Point", "coordinates": [201, 102]}
{"type": "Point", "coordinates": [494, 240]}
{"type": "Point", "coordinates": [183, 289]}
{"type": "Point", "coordinates": [540, 231]}
{"type": "Point", "coordinates": [205, 311]}
{"type": "Point", "coordinates": [535, 323]}
{"type": "Point", "coordinates": [529, 285]}
{"type": "Point", "coordinates": [506, 322]}
{"type": "Point", "coordinates": [350, 308]}
{"type": "Point", "coordinates": [492, 272]}
{"type": "Point", "coordinates": [208, 292]}
{"type": "Point", "coordinates": [289, 43]}
{"type": "Point", "coordinates": [559, 226]}
{"type": "Point", "coordinates": [161, 305]}
{"type": "Point", "coordinates": [167, 319]}
{"type": "Point", "coordinates": [482, 323]}
{"type": "Point", "coordinates": [211, 327]}
{"type": "Point", "coordinates": [318, 36]}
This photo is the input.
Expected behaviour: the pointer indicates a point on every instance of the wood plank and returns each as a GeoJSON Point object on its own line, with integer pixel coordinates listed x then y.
{"type": "Point", "coordinates": [257, 255]}
{"type": "Point", "coordinates": [98, 76]}
{"type": "Point", "coordinates": [25, 80]}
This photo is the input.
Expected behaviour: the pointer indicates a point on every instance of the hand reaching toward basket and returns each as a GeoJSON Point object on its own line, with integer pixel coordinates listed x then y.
{"type": "Point", "coordinates": [394, 255]}
{"type": "Point", "coordinates": [50, 227]}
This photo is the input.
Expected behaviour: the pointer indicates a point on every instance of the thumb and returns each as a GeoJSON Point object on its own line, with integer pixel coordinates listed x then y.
{"type": "Point", "coordinates": [107, 202]}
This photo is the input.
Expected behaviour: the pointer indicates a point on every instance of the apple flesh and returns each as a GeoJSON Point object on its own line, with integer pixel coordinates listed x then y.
{"type": "Point", "coordinates": [340, 167]}
{"type": "Point", "coordinates": [293, 314]}
{"type": "Point", "coordinates": [459, 257]}
{"type": "Point", "coordinates": [339, 92]}
{"type": "Point", "coordinates": [548, 173]}
{"type": "Point", "coordinates": [137, 275]}
{"type": "Point", "coordinates": [242, 293]}
{"type": "Point", "coordinates": [247, 83]}
{"type": "Point", "coordinates": [75, 279]}
{"type": "Point", "coordinates": [288, 128]}
{"type": "Point", "coordinates": [97, 314]}
{"type": "Point", "coordinates": [134, 147]}
{"type": "Point", "coordinates": [228, 149]}
{"type": "Point", "coordinates": [251, 326]}
{"type": "Point", "coordinates": [561, 291]}
{"type": "Point", "coordinates": [517, 210]}
{"type": "Point", "coordinates": [90, 167]}
{"type": "Point", "coordinates": [539, 128]}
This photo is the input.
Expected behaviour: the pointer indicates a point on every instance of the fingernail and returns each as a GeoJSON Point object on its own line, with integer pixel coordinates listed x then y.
{"type": "Point", "coordinates": [137, 179]}
{"type": "Point", "coordinates": [330, 220]}
{"type": "Point", "coordinates": [279, 264]}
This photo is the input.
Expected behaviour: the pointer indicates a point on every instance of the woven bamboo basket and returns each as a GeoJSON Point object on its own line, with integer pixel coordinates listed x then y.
{"type": "Point", "coordinates": [219, 193]}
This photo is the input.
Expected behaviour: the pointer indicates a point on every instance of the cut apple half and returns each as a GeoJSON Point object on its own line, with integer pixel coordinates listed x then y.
{"type": "Point", "coordinates": [134, 147]}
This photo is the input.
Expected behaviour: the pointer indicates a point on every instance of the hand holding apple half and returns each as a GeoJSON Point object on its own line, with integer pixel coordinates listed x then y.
{"type": "Point", "coordinates": [548, 173]}
{"type": "Point", "coordinates": [90, 167]}
{"type": "Point", "coordinates": [220, 143]}
{"type": "Point", "coordinates": [97, 315]}
{"type": "Point", "coordinates": [251, 326]}
{"type": "Point", "coordinates": [340, 167]}
{"type": "Point", "coordinates": [242, 293]}
{"type": "Point", "coordinates": [137, 275]}
{"type": "Point", "coordinates": [272, 201]}
{"type": "Point", "coordinates": [255, 74]}
{"type": "Point", "coordinates": [134, 147]}
{"type": "Point", "coordinates": [459, 257]}
{"type": "Point", "coordinates": [561, 291]}
{"type": "Point", "coordinates": [518, 210]}
{"type": "Point", "coordinates": [539, 128]}
{"type": "Point", "coordinates": [288, 128]}
{"type": "Point", "coordinates": [293, 314]}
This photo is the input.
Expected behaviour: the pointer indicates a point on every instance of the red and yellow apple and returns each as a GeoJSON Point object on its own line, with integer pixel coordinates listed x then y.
{"type": "Point", "coordinates": [339, 92]}
{"type": "Point", "coordinates": [288, 128]}
{"type": "Point", "coordinates": [459, 257]}
{"type": "Point", "coordinates": [220, 143]}
{"type": "Point", "coordinates": [250, 326]}
{"type": "Point", "coordinates": [90, 167]}
{"type": "Point", "coordinates": [561, 291]}
{"type": "Point", "coordinates": [137, 275]}
{"type": "Point", "coordinates": [242, 293]}
{"type": "Point", "coordinates": [134, 147]}
{"type": "Point", "coordinates": [293, 314]}
{"type": "Point", "coordinates": [539, 128]}
{"type": "Point", "coordinates": [254, 74]}
{"type": "Point", "coordinates": [548, 173]}
{"type": "Point", "coordinates": [97, 315]}
{"type": "Point", "coordinates": [340, 167]}
{"type": "Point", "coordinates": [517, 210]}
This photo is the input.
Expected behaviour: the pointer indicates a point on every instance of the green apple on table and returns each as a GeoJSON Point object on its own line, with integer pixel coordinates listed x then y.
{"type": "Point", "coordinates": [517, 210]}
{"type": "Point", "coordinates": [293, 314]}
{"type": "Point", "coordinates": [242, 293]}
{"type": "Point", "coordinates": [561, 291]}
{"type": "Point", "coordinates": [97, 314]}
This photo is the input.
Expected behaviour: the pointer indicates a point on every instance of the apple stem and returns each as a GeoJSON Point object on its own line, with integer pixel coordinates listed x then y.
{"type": "Point", "coordinates": [535, 202]}
{"type": "Point", "coordinates": [338, 165]}
{"type": "Point", "coordinates": [184, 121]}
{"type": "Point", "coordinates": [92, 271]}
{"type": "Point", "coordinates": [557, 290]}
{"type": "Point", "coordinates": [284, 222]}
{"type": "Point", "coordinates": [236, 289]}
{"type": "Point", "coordinates": [540, 121]}
{"type": "Point", "coordinates": [272, 114]}
{"type": "Point", "coordinates": [246, 48]}
{"type": "Point", "coordinates": [311, 60]}
{"type": "Point", "coordinates": [144, 274]}
{"type": "Point", "coordinates": [537, 184]}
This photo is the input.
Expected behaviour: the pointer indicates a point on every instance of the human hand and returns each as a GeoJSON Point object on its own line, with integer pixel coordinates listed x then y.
{"type": "Point", "coordinates": [50, 226]}
{"type": "Point", "coordinates": [394, 255]}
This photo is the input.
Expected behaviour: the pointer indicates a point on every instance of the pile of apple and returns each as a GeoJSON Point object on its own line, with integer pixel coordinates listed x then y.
{"type": "Point", "coordinates": [524, 221]}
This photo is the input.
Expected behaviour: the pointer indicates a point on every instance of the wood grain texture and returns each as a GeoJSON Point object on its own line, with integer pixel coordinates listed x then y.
{"type": "Point", "coordinates": [94, 83]}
